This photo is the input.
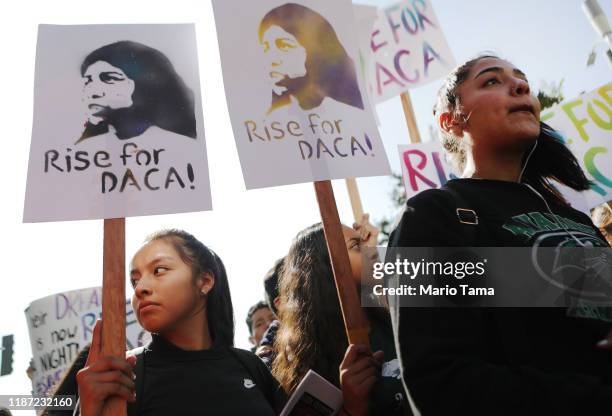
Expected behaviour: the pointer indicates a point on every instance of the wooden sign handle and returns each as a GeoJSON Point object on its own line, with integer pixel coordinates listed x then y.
{"type": "Point", "coordinates": [113, 301]}
{"type": "Point", "coordinates": [413, 130]}
{"type": "Point", "coordinates": [353, 191]}
{"type": "Point", "coordinates": [356, 328]}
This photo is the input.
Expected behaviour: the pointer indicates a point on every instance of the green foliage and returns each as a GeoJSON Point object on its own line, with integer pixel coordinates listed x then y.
{"type": "Point", "coordinates": [550, 94]}
{"type": "Point", "coordinates": [398, 197]}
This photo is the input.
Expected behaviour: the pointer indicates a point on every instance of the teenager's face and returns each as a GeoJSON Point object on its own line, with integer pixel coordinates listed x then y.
{"type": "Point", "coordinates": [286, 57]}
{"type": "Point", "coordinates": [105, 88]}
{"type": "Point", "coordinates": [501, 111]}
{"type": "Point", "coordinates": [262, 318]}
{"type": "Point", "coordinates": [165, 292]}
{"type": "Point", "coordinates": [353, 245]}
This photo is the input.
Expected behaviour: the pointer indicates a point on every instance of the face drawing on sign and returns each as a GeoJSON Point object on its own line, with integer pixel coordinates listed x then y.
{"type": "Point", "coordinates": [106, 88]}
{"type": "Point", "coordinates": [129, 87]}
{"type": "Point", "coordinates": [287, 57]}
{"type": "Point", "coordinates": [306, 61]}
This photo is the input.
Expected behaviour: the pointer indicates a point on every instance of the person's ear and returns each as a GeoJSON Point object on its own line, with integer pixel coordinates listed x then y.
{"type": "Point", "coordinates": [452, 123]}
{"type": "Point", "coordinates": [205, 283]}
{"type": "Point", "coordinates": [277, 302]}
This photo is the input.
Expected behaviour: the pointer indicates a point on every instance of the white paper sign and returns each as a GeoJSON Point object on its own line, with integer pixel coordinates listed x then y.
{"type": "Point", "coordinates": [365, 16]}
{"type": "Point", "coordinates": [118, 127]}
{"type": "Point", "coordinates": [314, 396]}
{"type": "Point", "coordinates": [61, 325]}
{"type": "Point", "coordinates": [408, 49]}
{"type": "Point", "coordinates": [298, 110]}
{"type": "Point", "coordinates": [586, 123]}
{"type": "Point", "coordinates": [424, 167]}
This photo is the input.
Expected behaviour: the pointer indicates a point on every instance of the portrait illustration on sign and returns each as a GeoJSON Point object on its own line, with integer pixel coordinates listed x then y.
{"type": "Point", "coordinates": [117, 126]}
{"type": "Point", "coordinates": [306, 61]}
{"type": "Point", "coordinates": [298, 106]}
{"type": "Point", "coordinates": [128, 88]}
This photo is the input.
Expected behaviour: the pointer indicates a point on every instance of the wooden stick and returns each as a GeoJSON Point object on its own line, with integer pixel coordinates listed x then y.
{"type": "Point", "coordinates": [113, 301]}
{"type": "Point", "coordinates": [353, 191]}
{"type": "Point", "coordinates": [413, 130]}
{"type": "Point", "coordinates": [356, 328]}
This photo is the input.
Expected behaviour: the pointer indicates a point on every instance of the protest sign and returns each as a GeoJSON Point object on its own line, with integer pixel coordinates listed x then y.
{"type": "Point", "coordinates": [424, 167]}
{"type": "Point", "coordinates": [585, 123]}
{"type": "Point", "coordinates": [60, 325]}
{"type": "Point", "coordinates": [118, 127]}
{"type": "Point", "coordinates": [298, 109]}
{"type": "Point", "coordinates": [408, 49]}
{"type": "Point", "coordinates": [365, 16]}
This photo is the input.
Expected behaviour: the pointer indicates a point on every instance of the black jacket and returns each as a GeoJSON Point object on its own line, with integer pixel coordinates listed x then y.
{"type": "Point", "coordinates": [486, 361]}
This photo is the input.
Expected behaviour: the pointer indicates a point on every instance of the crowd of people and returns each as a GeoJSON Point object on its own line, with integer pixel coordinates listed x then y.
{"type": "Point", "coordinates": [477, 361]}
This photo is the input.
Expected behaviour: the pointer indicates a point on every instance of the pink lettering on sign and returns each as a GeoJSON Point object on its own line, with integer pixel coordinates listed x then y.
{"type": "Point", "coordinates": [414, 173]}
{"type": "Point", "coordinates": [416, 161]}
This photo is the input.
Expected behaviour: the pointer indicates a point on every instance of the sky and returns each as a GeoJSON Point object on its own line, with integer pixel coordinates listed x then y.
{"type": "Point", "coordinates": [549, 40]}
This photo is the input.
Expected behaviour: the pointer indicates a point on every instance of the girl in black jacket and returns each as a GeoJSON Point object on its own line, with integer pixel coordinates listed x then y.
{"type": "Point", "coordinates": [502, 361]}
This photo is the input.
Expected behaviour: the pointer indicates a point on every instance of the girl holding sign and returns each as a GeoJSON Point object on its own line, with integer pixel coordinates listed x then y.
{"type": "Point", "coordinates": [502, 360]}
{"type": "Point", "coordinates": [181, 296]}
{"type": "Point", "coordinates": [312, 333]}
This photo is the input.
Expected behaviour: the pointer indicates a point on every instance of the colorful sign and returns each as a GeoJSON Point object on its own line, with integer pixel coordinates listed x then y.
{"type": "Point", "coordinates": [408, 49]}
{"type": "Point", "coordinates": [365, 16]}
{"type": "Point", "coordinates": [424, 167]}
{"type": "Point", "coordinates": [586, 124]}
{"type": "Point", "coordinates": [61, 325]}
{"type": "Point", "coordinates": [298, 109]}
{"type": "Point", "coordinates": [118, 128]}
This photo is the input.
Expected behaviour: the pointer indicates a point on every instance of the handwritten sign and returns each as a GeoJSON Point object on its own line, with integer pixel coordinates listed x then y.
{"type": "Point", "coordinates": [408, 49]}
{"type": "Point", "coordinates": [118, 127]}
{"type": "Point", "coordinates": [365, 16]}
{"type": "Point", "coordinates": [61, 325]}
{"type": "Point", "coordinates": [424, 167]}
{"type": "Point", "coordinates": [297, 105]}
{"type": "Point", "coordinates": [586, 124]}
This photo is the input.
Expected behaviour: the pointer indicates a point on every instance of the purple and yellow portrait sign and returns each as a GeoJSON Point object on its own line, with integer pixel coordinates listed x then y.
{"type": "Point", "coordinates": [298, 109]}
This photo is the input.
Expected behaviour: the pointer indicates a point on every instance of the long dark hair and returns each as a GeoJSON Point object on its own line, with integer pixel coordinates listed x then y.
{"type": "Point", "coordinates": [160, 96]}
{"type": "Point", "coordinates": [312, 334]}
{"type": "Point", "coordinates": [201, 259]}
{"type": "Point", "coordinates": [551, 159]}
{"type": "Point", "coordinates": [330, 72]}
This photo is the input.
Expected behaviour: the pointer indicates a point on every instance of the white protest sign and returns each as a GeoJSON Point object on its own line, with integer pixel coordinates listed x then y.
{"type": "Point", "coordinates": [61, 325]}
{"type": "Point", "coordinates": [408, 49]}
{"type": "Point", "coordinates": [298, 111]}
{"type": "Point", "coordinates": [586, 124]}
{"type": "Point", "coordinates": [365, 16]}
{"type": "Point", "coordinates": [118, 127]}
{"type": "Point", "coordinates": [423, 167]}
